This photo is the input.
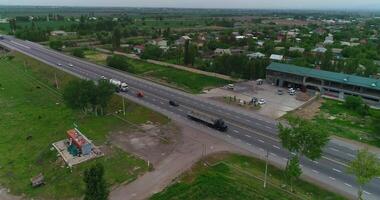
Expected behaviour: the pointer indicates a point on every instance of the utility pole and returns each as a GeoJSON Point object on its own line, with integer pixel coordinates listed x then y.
{"type": "Point", "coordinates": [123, 105]}
{"type": "Point", "coordinates": [266, 169]}
{"type": "Point", "coordinates": [56, 80]}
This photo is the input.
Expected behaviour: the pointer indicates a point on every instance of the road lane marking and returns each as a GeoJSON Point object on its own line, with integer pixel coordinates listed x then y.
{"type": "Point", "coordinates": [248, 136]}
{"type": "Point", "coordinates": [348, 185]}
{"type": "Point", "coordinates": [277, 147]}
{"type": "Point", "coordinates": [315, 171]}
{"type": "Point", "coordinates": [236, 131]}
{"type": "Point", "coordinates": [337, 170]}
{"type": "Point", "coordinates": [334, 149]}
{"type": "Point", "coordinates": [262, 141]}
{"type": "Point", "coordinates": [180, 109]}
{"type": "Point", "coordinates": [316, 162]}
{"type": "Point", "coordinates": [229, 136]}
{"type": "Point", "coordinates": [273, 154]}
{"type": "Point", "coordinates": [332, 178]}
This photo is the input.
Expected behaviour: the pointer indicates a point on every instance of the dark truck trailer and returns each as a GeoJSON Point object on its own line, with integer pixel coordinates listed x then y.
{"type": "Point", "coordinates": [210, 121]}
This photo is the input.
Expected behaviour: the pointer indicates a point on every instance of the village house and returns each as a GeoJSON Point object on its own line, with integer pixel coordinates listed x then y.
{"type": "Point", "coordinates": [219, 52]}
{"type": "Point", "coordinates": [276, 57]}
{"type": "Point", "coordinates": [298, 49]}
{"type": "Point", "coordinates": [182, 40]}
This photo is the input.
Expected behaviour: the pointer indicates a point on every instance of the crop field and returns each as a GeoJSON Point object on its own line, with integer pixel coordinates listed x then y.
{"type": "Point", "coordinates": [230, 176]}
{"type": "Point", "coordinates": [33, 116]}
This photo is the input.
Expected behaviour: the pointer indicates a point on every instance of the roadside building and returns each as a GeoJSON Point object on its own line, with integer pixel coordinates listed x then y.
{"type": "Point", "coordinates": [256, 55]}
{"type": "Point", "coordinates": [332, 84]}
{"type": "Point", "coordinates": [159, 42]}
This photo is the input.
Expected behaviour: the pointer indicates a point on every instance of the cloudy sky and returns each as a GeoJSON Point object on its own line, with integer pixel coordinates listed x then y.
{"type": "Point", "coordinates": [271, 4]}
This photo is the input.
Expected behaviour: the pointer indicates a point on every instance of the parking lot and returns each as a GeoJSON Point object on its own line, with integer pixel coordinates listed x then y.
{"type": "Point", "coordinates": [275, 105]}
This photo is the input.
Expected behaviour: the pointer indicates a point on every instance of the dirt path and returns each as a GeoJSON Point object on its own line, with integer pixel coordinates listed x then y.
{"type": "Point", "coordinates": [194, 146]}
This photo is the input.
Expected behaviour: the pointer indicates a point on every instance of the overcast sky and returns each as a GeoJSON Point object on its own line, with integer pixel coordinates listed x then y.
{"type": "Point", "coordinates": [270, 4]}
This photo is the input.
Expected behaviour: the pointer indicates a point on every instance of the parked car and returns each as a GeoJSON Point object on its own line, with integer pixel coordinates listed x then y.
{"type": "Point", "coordinates": [173, 103]}
{"type": "Point", "coordinates": [262, 101]}
{"type": "Point", "coordinates": [230, 86]}
{"type": "Point", "coordinates": [280, 92]}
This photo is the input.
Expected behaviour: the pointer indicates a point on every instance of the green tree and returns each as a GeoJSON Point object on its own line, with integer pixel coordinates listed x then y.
{"type": "Point", "coordinates": [96, 187]}
{"type": "Point", "coordinates": [118, 62]}
{"type": "Point", "coordinates": [104, 92]}
{"type": "Point", "coordinates": [12, 25]}
{"type": "Point", "coordinates": [356, 104]}
{"type": "Point", "coordinates": [152, 52]}
{"type": "Point", "coordinates": [187, 59]}
{"type": "Point", "coordinates": [78, 52]}
{"type": "Point", "coordinates": [56, 44]}
{"type": "Point", "coordinates": [116, 38]}
{"type": "Point", "coordinates": [365, 167]}
{"type": "Point", "coordinates": [303, 137]}
{"type": "Point", "coordinates": [292, 171]}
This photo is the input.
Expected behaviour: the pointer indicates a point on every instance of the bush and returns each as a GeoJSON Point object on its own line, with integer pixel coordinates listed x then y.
{"type": "Point", "coordinates": [152, 52]}
{"type": "Point", "coordinates": [56, 44]}
{"type": "Point", "coordinates": [118, 62]}
{"type": "Point", "coordinates": [357, 104]}
{"type": "Point", "coordinates": [79, 52]}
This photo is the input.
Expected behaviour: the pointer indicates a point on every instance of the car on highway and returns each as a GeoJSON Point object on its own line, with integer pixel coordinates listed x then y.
{"type": "Point", "coordinates": [70, 65]}
{"type": "Point", "coordinates": [59, 64]}
{"type": "Point", "coordinates": [140, 94]}
{"type": "Point", "coordinates": [173, 103]}
{"type": "Point", "coordinates": [230, 86]}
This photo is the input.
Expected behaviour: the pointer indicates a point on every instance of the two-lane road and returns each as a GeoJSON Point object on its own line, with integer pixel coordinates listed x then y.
{"type": "Point", "coordinates": [245, 128]}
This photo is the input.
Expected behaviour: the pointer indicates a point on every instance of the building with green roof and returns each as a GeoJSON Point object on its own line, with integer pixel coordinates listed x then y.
{"type": "Point", "coordinates": [338, 85]}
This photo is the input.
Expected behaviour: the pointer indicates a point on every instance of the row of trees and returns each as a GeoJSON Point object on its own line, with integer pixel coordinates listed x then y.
{"type": "Point", "coordinates": [88, 96]}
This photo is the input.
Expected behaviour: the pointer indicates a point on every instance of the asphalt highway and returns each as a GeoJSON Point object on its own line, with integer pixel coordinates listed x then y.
{"type": "Point", "coordinates": [245, 128]}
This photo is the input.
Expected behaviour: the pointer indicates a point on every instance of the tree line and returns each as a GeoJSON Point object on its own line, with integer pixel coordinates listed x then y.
{"type": "Point", "coordinates": [88, 96]}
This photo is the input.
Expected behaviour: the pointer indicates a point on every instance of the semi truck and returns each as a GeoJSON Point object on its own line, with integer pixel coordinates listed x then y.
{"type": "Point", "coordinates": [213, 122]}
{"type": "Point", "coordinates": [120, 86]}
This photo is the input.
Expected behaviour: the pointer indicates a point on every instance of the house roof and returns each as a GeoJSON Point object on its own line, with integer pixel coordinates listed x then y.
{"type": "Point", "coordinates": [276, 57]}
{"type": "Point", "coordinates": [326, 75]}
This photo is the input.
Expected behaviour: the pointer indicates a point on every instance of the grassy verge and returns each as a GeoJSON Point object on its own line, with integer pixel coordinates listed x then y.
{"type": "Point", "coordinates": [188, 81]}
{"type": "Point", "coordinates": [340, 121]}
{"type": "Point", "coordinates": [32, 107]}
{"type": "Point", "coordinates": [231, 176]}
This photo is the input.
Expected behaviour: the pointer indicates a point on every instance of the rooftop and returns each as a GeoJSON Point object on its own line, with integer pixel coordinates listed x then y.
{"type": "Point", "coordinates": [326, 75]}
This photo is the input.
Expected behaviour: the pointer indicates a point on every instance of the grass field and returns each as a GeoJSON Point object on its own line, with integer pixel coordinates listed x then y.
{"type": "Point", "coordinates": [30, 106]}
{"type": "Point", "coordinates": [237, 177]}
{"type": "Point", "coordinates": [188, 81]}
{"type": "Point", "coordinates": [342, 122]}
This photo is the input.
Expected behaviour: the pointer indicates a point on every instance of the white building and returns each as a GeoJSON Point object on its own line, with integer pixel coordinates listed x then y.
{"type": "Point", "coordinates": [276, 57]}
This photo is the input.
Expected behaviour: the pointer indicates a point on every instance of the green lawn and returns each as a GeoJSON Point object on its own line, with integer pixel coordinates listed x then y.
{"type": "Point", "coordinates": [340, 121]}
{"type": "Point", "coordinates": [237, 177]}
{"type": "Point", "coordinates": [30, 106]}
{"type": "Point", "coordinates": [188, 81]}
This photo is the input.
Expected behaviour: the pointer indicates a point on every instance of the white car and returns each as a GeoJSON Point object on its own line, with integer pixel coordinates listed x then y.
{"type": "Point", "coordinates": [230, 86]}
{"type": "Point", "coordinates": [71, 65]}
{"type": "Point", "coordinates": [261, 101]}
{"type": "Point", "coordinates": [59, 64]}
